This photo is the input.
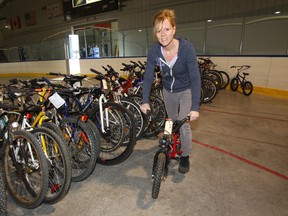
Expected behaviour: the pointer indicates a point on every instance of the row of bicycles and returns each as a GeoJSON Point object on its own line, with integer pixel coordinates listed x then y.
{"type": "Point", "coordinates": [214, 80]}
{"type": "Point", "coordinates": [55, 129]}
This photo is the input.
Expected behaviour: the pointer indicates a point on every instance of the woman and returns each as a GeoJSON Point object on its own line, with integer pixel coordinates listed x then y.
{"type": "Point", "coordinates": [180, 76]}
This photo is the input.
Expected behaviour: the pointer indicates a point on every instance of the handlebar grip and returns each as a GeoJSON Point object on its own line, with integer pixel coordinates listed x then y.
{"type": "Point", "coordinates": [135, 63]}
{"type": "Point", "coordinates": [95, 71]}
{"type": "Point", "coordinates": [13, 81]}
{"type": "Point", "coordinates": [46, 80]}
{"type": "Point", "coordinates": [55, 74]}
{"type": "Point", "coordinates": [105, 68]}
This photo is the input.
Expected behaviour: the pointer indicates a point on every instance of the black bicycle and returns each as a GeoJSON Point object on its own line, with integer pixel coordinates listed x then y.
{"type": "Point", "coordinates": [240, 79]}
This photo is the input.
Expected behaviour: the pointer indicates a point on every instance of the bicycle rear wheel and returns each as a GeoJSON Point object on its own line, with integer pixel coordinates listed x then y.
{"type": "Point", "coordinates": [158, 174]}
{"type": "Point", "coordinates": [215, 77]}
{"type": "Point", "coordinates": [225, 79]}
{"type": "Point", "coordinates": [26, 173]}
{"type": "Point", "coordinates": [119, 138]}
{"type": "Point", "coordinates": [83, 146]}
{"type": "Point", "coordinates": [59, 163]}
{"type": "Point", "coordinates": [210, 89]}
{"type": "Point", "coordinates": [157, 105]}
{"type": "Point", "coordinates": [234, 84]}
{"type": "Point", "coordinates": [134, 108]}
{"type": "Point", "coordinates": [247, 88]}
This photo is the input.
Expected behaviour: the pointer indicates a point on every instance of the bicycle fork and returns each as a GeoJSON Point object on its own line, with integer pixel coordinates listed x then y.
{"type": "Point", "coordinates": [101, 100]}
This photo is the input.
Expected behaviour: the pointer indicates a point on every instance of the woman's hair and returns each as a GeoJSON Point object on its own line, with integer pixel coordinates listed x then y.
{"type": "Point", "coordinates": [160, 17]}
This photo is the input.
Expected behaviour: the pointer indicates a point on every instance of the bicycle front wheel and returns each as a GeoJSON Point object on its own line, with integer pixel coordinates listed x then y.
{"type": "Point", "coordinates": [26, 170]}
{"type": "Point", "coordinates": [158, 174]}
{"type": "Point", "coordinates": [59, 163]}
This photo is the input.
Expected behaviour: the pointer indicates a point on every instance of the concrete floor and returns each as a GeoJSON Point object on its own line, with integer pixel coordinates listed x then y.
{"type": "Point", "coordinates": [239, 167]}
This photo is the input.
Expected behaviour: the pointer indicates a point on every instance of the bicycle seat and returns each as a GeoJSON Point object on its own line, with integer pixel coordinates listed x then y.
{"type": "Point", "coordinates": [246, 74]}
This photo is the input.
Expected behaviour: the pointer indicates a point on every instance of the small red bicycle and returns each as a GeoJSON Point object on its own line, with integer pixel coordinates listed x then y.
{"type": "Point", "coordinates": [170, 148]}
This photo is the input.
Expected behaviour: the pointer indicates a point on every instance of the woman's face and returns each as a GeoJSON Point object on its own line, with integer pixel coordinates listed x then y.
{"type": "Point", "coordinates": [165, 33]}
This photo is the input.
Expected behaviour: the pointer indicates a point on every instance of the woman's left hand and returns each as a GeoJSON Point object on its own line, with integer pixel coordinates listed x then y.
{"type": "Point", "coordinates": [194, 115]}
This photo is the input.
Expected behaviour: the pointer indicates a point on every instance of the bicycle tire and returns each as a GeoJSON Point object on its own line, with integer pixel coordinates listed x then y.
{"type": "Point", "coordinates": [234, 84]}
{"type": "Point", "coordinates": [216, 77]}
{"type": "Point", "coordinates": [210, 91]}
{"type": "Point", "coordinates": [158, 174]}
{"type": "Point", "coordinates": [54, 127]}
{"type": "Point", "coordinates": [202, 95]}
{"type": "Point", "coordinates": [114, 152]}
{"type": "Point", "coordinates": [59, 163]}
{"type": "Point", "coordinates": [3, 197]}
{"type": "Point", "coordinates": [97, 136]}
{"type": "Point", "coordinates": [113, 135]}
{"type": "Point", "coordinates": [139, 117]}
{"type": "Point", "coordinates": [247, 88]}
{"type": "Point", "coordinates": [225, 79]}
{"type": "Point", "coordinates": [158, 107]}
{"type": "Point", "coordinates": [19, 186]}
{"type": "Point", "coordinates": [83, 146]}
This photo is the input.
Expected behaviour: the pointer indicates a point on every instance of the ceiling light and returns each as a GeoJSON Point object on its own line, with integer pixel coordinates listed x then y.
{"type": "Point", "coordinates": [209, 20]}
{"type": "Point", "coordinates": [277, 12]}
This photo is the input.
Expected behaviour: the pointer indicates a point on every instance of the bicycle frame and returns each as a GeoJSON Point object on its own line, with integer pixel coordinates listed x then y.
{"type": "Point", "coordinates": [241, 78]}
{"type": "Point", "coordinates": [40, 118]}
{"type": "Point", "coordinates": [171, 144]}
{"type": "Point", "coordinates": [8, 128]}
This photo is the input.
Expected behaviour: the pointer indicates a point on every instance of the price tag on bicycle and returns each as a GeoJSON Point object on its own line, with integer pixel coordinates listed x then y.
{"type": "Point", "coordinates": [56, 100]}
{"type": "Point", "coordinates": [168, 126]}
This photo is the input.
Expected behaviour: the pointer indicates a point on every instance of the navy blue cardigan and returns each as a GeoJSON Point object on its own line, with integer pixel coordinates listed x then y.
{"type": "Point", "coordinates": [184, 74]}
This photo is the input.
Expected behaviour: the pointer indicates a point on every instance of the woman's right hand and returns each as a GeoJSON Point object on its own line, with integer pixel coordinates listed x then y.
{"type": "Point", "coordinates": [144, 107]}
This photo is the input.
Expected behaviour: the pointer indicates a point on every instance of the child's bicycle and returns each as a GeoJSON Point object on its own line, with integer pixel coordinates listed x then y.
{"type": "Point", "coordinates": [246, 86]}
{"type": "Point", "coordinates": [170, 148]}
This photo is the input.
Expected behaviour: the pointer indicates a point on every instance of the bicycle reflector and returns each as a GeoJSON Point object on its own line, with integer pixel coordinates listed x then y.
{"type": "Point", "coordinates": [84, 118]}
{"type": "Point", "coordinates": [29, 115]}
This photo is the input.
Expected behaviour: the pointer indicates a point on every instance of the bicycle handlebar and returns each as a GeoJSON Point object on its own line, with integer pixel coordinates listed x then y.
{"type": "Point", "coordinates": [95, 71]}
{"type": "Point", "coordinates": [8, 107]}
{"type": "Point", "coordinates": [178, 124]}
{"type": "Point", "coordinates": [240, 66]}
{"type": "Point", "coordinates": [57, 74]}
